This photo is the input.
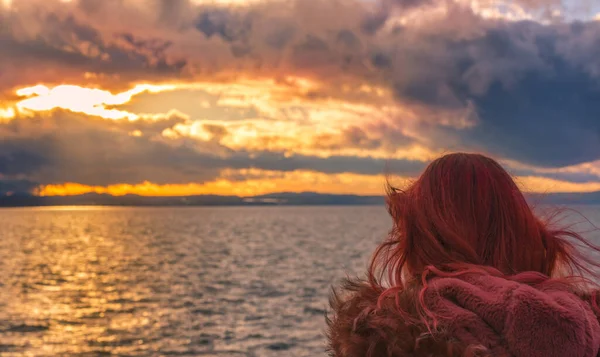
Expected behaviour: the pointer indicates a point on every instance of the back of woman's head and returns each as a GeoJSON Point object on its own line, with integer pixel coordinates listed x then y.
{"type": "Point", "coordinates": [466, 210]}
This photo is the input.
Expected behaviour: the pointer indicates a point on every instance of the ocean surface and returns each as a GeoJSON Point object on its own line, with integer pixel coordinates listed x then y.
{"type": "Point", "coordinates": [248, 281]}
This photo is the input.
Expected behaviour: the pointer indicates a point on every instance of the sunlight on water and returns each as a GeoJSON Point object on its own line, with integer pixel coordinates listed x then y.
{"type": "Point", "coordinates": [177, 281]}
{"type": "Point", "coordinates": [72, 208]}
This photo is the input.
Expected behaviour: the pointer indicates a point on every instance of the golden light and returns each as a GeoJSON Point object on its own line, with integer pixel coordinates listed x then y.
{"type": "Point", "coordinates": [507, 10]}
{"type": "Point", "coordinates": [288, 136]}
{"type": "Point", "coordinates": [272, 130]}
{"type": "Point", "coordinates": [97, 102]}
{"type": "Point", "coordinates": [258, 182]}
{"type": "Point", "coordinates": [270, 98]}
{"type": "Point", "coordinates": [7, 113]}
{"type": "Point", "coordinates": [504, 11]}
{"type": "Point", "coordinates": [90, 101]}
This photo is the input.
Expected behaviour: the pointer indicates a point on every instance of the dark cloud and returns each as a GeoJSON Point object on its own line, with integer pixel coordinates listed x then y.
{"type": "Point", "coordinates": [16, 160]}
{"type": "Point", "coordinates": [329, 165]}
{"type": "Point", "coordinates": [280, 38]}
{"type": "Point", "coordinates": [548, 120]}
{"type": "Point", "coordinates": [11, 187]}
{"type": "Point", "coordinates": [348, 39]}
{"type": "Point", "coordinates": [66, 48]}
{"type": "Point", "coordinates": [375, 135]}
{"type": "Point", "coordinates": [536, 102]}
{"type": "Point", "coordinates": [67, 147]}
{"type": "Point", "coordinates": [223, 23]}
{"type": "Point", "coordinates": [217, 131]}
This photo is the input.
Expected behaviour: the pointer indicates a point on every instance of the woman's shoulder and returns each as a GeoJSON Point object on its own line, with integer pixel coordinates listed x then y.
{"type": "Point", "coordinates": [365, 323]}
{"type": "Point", "coordinates": [450, 316]}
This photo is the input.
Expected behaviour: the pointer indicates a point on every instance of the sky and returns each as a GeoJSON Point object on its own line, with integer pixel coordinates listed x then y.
{"type": "Point", "coordinates": [232, 97]}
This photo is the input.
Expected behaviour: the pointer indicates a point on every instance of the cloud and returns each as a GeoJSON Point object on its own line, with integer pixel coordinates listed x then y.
{"type": "Point", "coordinates": [10, 187]}
{"type": "Point", "coordinates": [581, 173]}
{"type": "Point", "coordinates": [60, 146]}
{"type": "Point", "coordinates": [196, 103]}
{"type": "Point", "coordinates": [102, 155]}
{"type": "Point", "coordinates": [461, 80]}
{"type": "Point", "coordinates": [534, 90]}
{"type": "Point", "coordinates": [49, 41]}
{"type": "Point", "coordinates": [372, 136]}
{"type": "Point", "coordinates": [328, 165]}
{"type": "Point", "coordinates": [532, 86]}
{"type": "Point", "coordinates": [254, 182]}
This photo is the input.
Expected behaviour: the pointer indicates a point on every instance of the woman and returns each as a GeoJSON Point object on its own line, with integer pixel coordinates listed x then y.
{"type": "Point", "coordinates": [469, 270]}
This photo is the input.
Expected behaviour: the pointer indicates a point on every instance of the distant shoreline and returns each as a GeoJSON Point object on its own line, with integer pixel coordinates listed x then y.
{"type": "Point", "coordinates": [91, 206]}
{"type": "Point", "coordinates": [279, 199]}
{"type": "Point", "coordinates": [275, 199]}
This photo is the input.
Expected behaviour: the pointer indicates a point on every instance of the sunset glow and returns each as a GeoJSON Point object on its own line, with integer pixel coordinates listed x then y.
{"type": "Point", "coordinates": [299, 181]}
{"type": "Point", "coordinates": [90, 101]}
{"type": "Point", "coordinates": [7, 113]}
{"type": "Point", "coordinates": [249, 97]}
{"type": "Point", "coordinates": [268, 183]}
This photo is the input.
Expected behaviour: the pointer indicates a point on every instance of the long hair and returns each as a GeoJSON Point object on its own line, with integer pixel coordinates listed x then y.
{"type": "Point", "coordinates": [466, 211]}
{"type": "Point", "coordinates": [463, 215]}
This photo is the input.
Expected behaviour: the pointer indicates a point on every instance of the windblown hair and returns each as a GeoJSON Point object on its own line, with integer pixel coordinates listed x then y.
{"type": "Point", "coordinates": [463, 215]}
{"type": "Point", "coordinates": [464, 211]}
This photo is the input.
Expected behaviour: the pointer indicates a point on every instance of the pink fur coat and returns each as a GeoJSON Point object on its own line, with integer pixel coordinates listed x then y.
{"type": "Point", "coordinates": [474, 314]}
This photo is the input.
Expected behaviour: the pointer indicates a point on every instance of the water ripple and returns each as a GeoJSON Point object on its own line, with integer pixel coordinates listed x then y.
{"type": "Point", "coordinates": [240, 282]}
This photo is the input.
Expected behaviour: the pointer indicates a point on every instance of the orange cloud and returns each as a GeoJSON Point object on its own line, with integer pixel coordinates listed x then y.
{"type": "Point", "coordinates": [283, 114]}
{"type": "Point", "coordinates": [258, 182]}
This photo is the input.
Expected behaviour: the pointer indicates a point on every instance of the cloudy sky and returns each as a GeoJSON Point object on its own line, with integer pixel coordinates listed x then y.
{"type": "Point", "coordinates": [178, 97]}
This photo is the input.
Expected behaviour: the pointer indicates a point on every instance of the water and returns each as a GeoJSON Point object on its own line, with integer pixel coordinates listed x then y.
{"type": "Point", "coordinates": [178, 281]}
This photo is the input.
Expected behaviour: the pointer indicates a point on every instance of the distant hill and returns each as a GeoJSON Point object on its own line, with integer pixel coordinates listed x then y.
{"type": "Point", "coordinates": [283, 198]}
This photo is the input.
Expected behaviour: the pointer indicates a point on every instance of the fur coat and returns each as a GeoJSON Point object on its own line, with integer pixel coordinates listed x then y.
{"type": "Point", "coordinates": [474, 314]}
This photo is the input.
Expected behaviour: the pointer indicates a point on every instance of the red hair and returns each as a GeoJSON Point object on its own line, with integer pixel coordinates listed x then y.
{"type": "Point", "coordinates": [466, 211]}
{"type": "Point", "coordinates": [464, 215]}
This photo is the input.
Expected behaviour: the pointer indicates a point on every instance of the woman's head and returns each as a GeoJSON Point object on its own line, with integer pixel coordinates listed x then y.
{"type": "Point", "coordinates": [466, 210]}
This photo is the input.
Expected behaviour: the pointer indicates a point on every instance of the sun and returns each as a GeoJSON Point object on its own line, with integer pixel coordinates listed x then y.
{"type": "Point", "coordinates": [90, 101]}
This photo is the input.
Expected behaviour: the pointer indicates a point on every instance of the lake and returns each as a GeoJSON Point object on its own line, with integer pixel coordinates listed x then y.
{"type": "Point", "coordinates": [241, 281]}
